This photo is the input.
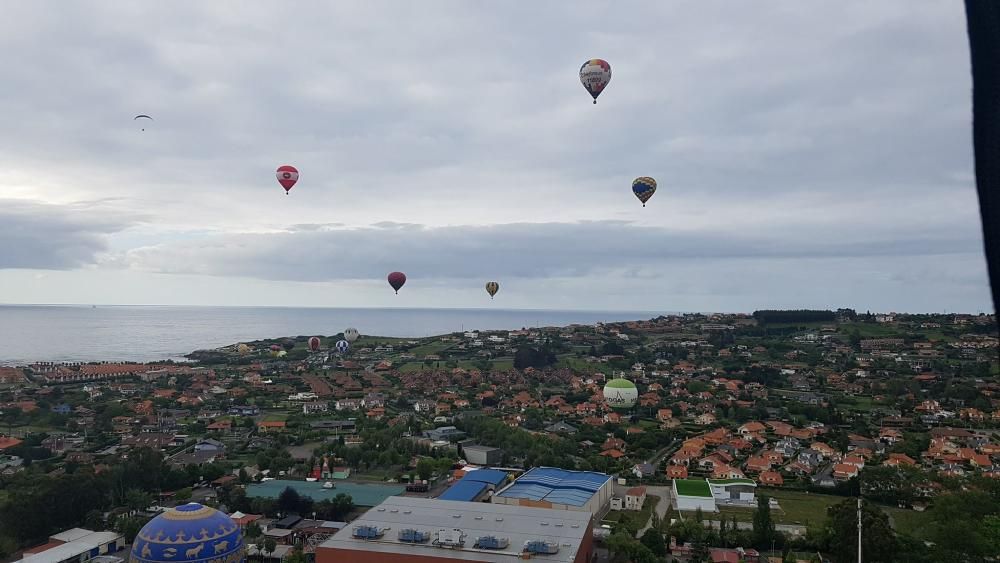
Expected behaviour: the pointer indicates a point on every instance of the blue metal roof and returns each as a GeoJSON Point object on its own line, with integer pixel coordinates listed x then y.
{"type": "Point", "coordinates": [492, 476]}
{"type": "Point", "coordinates": [560, 486]}
{"type": "Point", "coordinates": [464, 490]}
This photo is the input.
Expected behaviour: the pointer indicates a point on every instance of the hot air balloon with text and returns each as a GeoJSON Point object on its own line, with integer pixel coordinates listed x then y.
{"type": "Point", "coordinates": [644, 187]}
{"type": "Point", "coordinates": [492, 288]}
{"type": "Point", "coordinates": [396, 280]}
{"type": "Point", "coordinates": [287, 176]}
{"type": "Point", "coordinates": [595, 75]}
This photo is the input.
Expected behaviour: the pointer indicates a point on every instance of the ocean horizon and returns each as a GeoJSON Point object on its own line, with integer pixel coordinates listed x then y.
{"type": "Point", "coordinates": [146, 333]}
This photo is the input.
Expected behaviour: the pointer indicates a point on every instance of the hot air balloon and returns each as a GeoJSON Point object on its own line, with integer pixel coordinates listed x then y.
{"type": "Point", "coordinates": [396, 280]}
{"type": "Point", "coordinates": [595, 75]}
{"type": "Point", "coordinates": [643, 188]}
{"type": "Point", "coordinates": [620, 393]}
{"type": "Point", "coordinates": [314, 343]}
{"type": "Point", "coordinates": [351, 334]}
{"type": "Point", "coordinates": [492, 288]}
{"type": "Point", "coordinates": [342, 346]}
{"type": "Point", "coordinates": [242, 348]}
{"type": "Point", "coordinates": [287, 176]}
{"type": "Point", "coordinates": [142, 116]}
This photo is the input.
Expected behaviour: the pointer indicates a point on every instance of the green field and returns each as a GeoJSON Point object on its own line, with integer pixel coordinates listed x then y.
{"type": "Point", "coordinates": [909, 522]}
{"type": "Point", "coordinates": [430, 348]}
{"type": "Point", "coordinates": [275, 417]}
{"type": "Point", "coordinates": [800, 507]}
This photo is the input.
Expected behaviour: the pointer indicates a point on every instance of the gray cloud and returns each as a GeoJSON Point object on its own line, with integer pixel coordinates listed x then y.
{"type": "Point", "coordinates": [52, 237]}
{"type": "Point", "coordinates": [522, 250]}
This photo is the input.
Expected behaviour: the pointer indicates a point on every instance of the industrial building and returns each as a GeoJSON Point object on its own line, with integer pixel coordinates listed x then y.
{"type": "Point", "coordinates": [74, 545]}
{"type": "Point", "coordinates": [692, 494]}
{"type": "Point", "coordinates": [548, 487]}
{"type": "Point", "coordinates": [707, 494]}
{"type": "Point", "coordinates": [403, 529]}
{"type": "Point", "coordinates": [734, 492]}
{"type": "Point", "coordinates": [475, 485]}
{"type": "Point", "coordinates": [482, 455]}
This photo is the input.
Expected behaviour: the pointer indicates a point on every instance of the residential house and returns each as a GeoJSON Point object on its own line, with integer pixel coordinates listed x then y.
{"type": "Point", "coordinates": [642, 470]}
{"type": "Point", "coordinates": [635, 498]}
{"type": "Point", "coordinates": [268, 426]}
{"type": "Point", "coordinates": [677, 472]}
{"type": "Point", "coordinates": [771, 479]}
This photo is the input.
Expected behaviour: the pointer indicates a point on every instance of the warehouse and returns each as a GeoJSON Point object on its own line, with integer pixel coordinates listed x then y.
{"type": "Point", "coordinates": [405, 529]}
{"type": "Point", "coordinates": [548, 487]}
{"type": "Point", "coordinates": [482, 455]}
{"type": "Point", "coordinates": [475, 485]}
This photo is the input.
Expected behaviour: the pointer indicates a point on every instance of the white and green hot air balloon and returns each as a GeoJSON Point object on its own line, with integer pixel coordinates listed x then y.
{"type": "Point", "coordinates": [620, 393]}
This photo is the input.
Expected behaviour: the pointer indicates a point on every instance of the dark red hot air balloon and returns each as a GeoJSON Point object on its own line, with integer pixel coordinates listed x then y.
{"type": "Point", "coordinates": [287, 176]}
{"type": "Point", "coordinates": [314, 343]}
{"type": "Point", "coordinates": [396, 280]}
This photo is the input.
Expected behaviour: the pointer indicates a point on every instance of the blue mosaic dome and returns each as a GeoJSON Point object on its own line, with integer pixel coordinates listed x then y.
{"type": "Point", "coordinates": [189, 533]}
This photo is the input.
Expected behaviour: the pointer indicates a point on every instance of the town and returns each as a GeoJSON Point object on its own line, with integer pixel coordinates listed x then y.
{"type": "Point", "coordinates": [723, 438]}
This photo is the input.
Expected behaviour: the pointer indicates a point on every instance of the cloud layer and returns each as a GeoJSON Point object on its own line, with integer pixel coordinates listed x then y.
{"type": "Point", "coordinates": [454, 141]}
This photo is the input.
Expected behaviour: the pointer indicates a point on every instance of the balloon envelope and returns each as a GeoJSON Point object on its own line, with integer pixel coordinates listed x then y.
{"type": "Point", "coordinates": [351, 334]}
{"type": "Point", "coordinates": [396, 280]}
{"type": "Point", "coordinates": [287, 176]}
{"type": "Point", "coordinates": [644, 187]}
{"type": "Point", "coordinates": [342, 346]}
{"type": "Point", "coordinates": [314, 343]}
{"type": "Point", "coordinates": [595, 75]}
{"type": "Point", "coordinates": [620, 393]}
{"type": "Point", "coordinates": [492, 288]}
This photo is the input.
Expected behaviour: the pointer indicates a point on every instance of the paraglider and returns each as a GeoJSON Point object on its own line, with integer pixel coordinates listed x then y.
{"type": "Point", "coordinates": [396, 280]}
{"type": "Point", "coordinates": [351, 334]}
{"type": "Point", "coordinates": [342, 346]}
{"type": "Point", "coordinates": [595, 75]}
{"type": "Point", "coordinates": [492, 288]}
{"type": "Point", "coordinates": [643, 188]}
{"type": "Point", "coordinates": [287, 176]}
{"type": "Point", "coordinates": [142, 116]}
{"type": "Point", "coordinates": [314, 343]}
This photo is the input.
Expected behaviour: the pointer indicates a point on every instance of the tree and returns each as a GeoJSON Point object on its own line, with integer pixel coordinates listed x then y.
{"type": "Point", "coordinates": [653, 539]}
{"type": "Point", "coordinates": [136, 500]}
{"type": "Point", "coordinates": [129, 526]}
{"type": "Point", "coordinates": [289, 500]}
{"type": "Point", "coordinates": [763, 525]}
{"type": "Point", "coordinates": [425, 468]}
{"type": "Point", "coordinates": [269, 546]}
{"type": "Point", "coordinates": [878, 541]}
{"type": "Point", "coordinates": [183, 494]}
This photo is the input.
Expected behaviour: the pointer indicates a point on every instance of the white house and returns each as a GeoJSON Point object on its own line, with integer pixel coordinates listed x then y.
{"type": "Point", "coordinates": [634, 498]}
{"type": "Point", "coordinates": [315, 407]}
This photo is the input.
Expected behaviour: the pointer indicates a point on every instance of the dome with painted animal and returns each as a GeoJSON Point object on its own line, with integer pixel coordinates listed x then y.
{"type": "Point", "coordinates": [190, 533]}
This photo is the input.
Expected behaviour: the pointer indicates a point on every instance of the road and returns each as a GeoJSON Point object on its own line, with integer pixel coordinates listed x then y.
{"type": "Point", "coordinates": [661, 507]}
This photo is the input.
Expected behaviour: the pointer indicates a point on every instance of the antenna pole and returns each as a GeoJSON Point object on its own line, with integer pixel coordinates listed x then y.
{"type": "Point", "coordinates": [859, 529]}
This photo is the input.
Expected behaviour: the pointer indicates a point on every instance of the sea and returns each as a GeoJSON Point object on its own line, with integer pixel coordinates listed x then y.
{"type": "Point", "coordinates": [85, 333]}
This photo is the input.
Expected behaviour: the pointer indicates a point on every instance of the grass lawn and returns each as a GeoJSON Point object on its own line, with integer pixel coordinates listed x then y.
{"type": "Point", "coordinates": [431, 348]}
{"type": "Point", "coordinates": [909, 522]}
{"type": "Point", "coordinates": [275, 417]}
{"type": "Point", "coordinates": [800, 507]}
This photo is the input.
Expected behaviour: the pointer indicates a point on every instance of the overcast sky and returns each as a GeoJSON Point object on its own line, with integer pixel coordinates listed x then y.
{"type": "Point", "coordinates": [808, 154]}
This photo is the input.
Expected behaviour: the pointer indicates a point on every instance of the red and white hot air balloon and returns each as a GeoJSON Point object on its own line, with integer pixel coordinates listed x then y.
{"type": "Point", "coordinates": [287, 176]}
{"type": "Point", "coordinates": [314, 343]}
